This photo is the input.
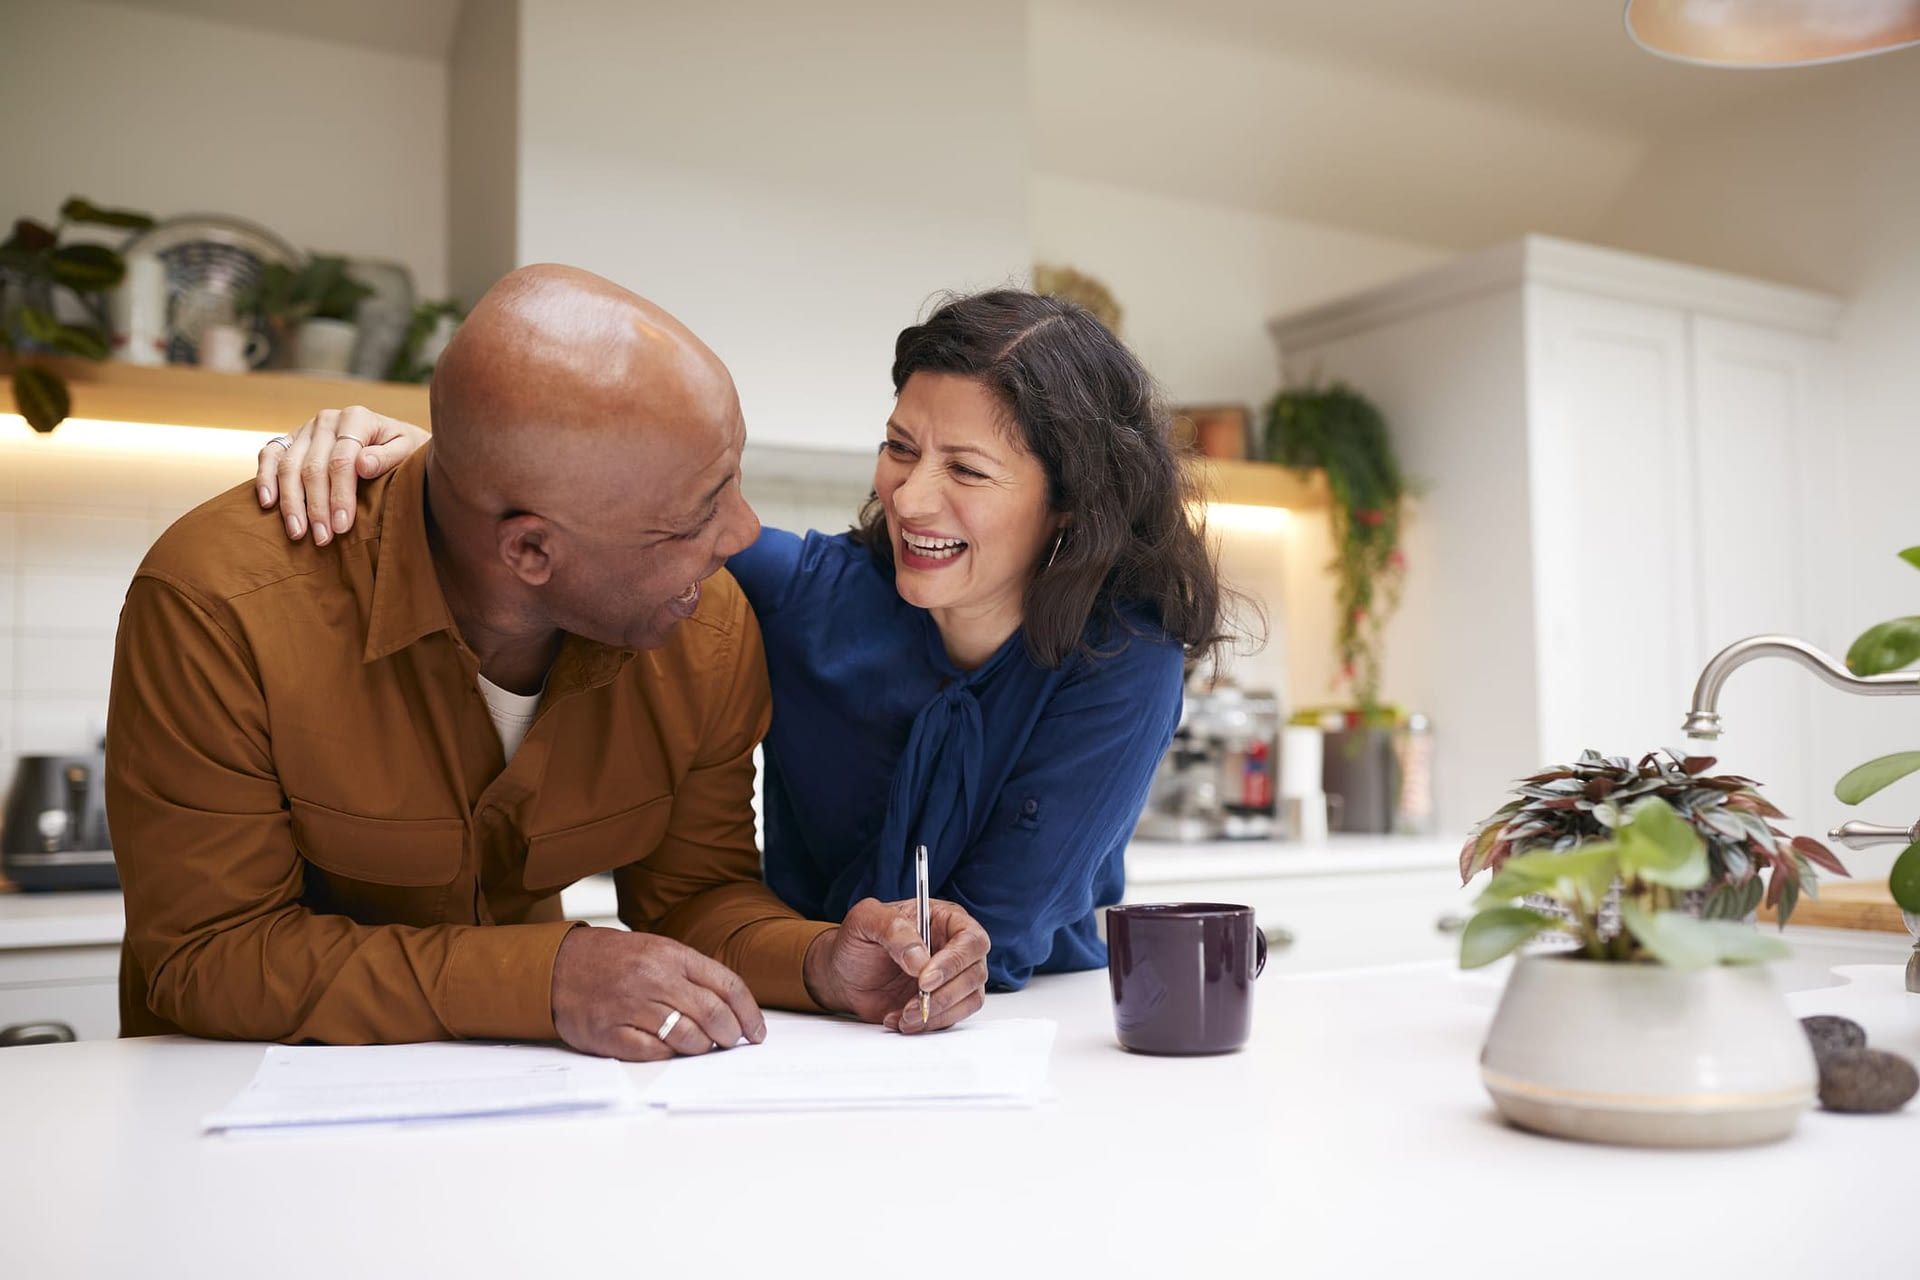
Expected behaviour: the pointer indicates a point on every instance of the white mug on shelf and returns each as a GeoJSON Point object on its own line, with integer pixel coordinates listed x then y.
{"type": "Point", "coordinates": [227, 348]}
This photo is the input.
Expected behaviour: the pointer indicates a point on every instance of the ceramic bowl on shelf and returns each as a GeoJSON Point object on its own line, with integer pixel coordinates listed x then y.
{"type": "Point", "coordinates": [210, 259]}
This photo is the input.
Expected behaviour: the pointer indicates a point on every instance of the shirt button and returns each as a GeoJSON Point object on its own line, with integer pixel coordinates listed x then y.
{"type": "Point", "coordinates": [1030, 806]}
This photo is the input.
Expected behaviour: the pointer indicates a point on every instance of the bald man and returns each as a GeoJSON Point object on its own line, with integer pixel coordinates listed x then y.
{"type": "Point", "coordinates": [348, 778]}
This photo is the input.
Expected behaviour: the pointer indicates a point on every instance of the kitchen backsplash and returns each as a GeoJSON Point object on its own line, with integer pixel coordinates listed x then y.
{"type": "Point", "coordinates": [74, 525]}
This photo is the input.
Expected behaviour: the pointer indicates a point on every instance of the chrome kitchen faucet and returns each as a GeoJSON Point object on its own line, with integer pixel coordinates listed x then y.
{"type": "Point", "coordinates": [1703, 723]}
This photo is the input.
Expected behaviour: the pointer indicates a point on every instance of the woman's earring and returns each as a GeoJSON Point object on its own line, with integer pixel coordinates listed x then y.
{"type": "Point", "coordinates": [1053, 555]}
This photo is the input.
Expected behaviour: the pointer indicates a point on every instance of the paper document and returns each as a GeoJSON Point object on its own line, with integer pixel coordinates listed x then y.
{"type": "Point", "coordinates": [813, 1064]}
{"type": "Point", "coordinates": [333, 1085]}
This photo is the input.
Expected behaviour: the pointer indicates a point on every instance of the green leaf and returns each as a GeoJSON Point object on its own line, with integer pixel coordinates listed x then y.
{"type": "Point", "coordinates": [1658, 846]}
{"type": "Point", "coordinates": [82, 340]}
{"type": "Point", "coordinates": [1875, 775]}
{"type": "Point", "coordinates": [31, 237]}
{"type": "Point", "coordinates": [1734, 901]}
{"type": "Point", "coordinates": [1912, 556]}
{"type": "Point", "coordinates": [1681, 942]}
{"type": "Point", "coordinates": [1577, 874]}
{"type": "Point", "coordinates": [1499, 931]}
{"type": "Point", "coordinates": [77, 209]}
{"type": "Point", "coordinates": [39, 324]}
{"type": "Point", "coordinates": [40, 396]}
{"type": "Point", "coordinates": [1904, 879]}
{"type": "Point", "coordinates": [87, 268]}
{"type": "Point", "coordinates": [1888, 646]}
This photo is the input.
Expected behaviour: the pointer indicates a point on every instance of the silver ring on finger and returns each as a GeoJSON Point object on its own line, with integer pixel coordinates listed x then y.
{"type": "Point", "coordinates": [285, 442]}
{"type": "Point", "coordinates": [356, 439]}
{"type": "Point", "coordinates": [666, 1028]}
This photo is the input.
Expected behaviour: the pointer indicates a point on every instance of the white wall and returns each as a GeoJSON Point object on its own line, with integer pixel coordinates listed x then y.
{"type": "Point", "coordinates": [335, 147]}
{"type": "Point", "coordinates": [1823, 189]}
{"type": "Point", "coordinates": [483, 136]}
{"type": "Point", "coordinates": [792, 181]}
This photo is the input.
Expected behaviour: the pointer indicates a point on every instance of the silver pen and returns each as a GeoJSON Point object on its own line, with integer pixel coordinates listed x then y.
{"type": "Point", "coordinates": [925, 908]}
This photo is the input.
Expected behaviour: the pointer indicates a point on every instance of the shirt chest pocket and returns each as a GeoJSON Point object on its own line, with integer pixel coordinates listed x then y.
{"type": "Point", "coordinates": [558, 858]}
{"type": "Point", "coordinates": [412, 853]}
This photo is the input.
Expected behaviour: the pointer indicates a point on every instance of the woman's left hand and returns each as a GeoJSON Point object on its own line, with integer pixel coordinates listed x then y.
{"type": "Point", "coordinates": [874, 967]}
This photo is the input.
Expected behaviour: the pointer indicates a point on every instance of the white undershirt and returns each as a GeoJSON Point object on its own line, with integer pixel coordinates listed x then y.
{"type": "Point", "coordinates": [511, 712]}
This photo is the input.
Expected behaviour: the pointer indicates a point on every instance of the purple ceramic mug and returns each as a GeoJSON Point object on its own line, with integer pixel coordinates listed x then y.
{"type": "Point", "coordinates": [1183, 975]}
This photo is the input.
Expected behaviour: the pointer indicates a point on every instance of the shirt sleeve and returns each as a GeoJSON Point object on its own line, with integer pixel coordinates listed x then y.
{"type": "Point", "coordinates": [767, 569]}
{"type": "Point", "coordinates": [1069, 805]}
{"type": "Point", "coordinates": [702, 884]}
{"type": "Point", "coordinates": [213, 880]}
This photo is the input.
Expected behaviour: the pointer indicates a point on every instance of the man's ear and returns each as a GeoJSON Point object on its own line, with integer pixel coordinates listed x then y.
{"type": "Point", "coordinates": [526, 547]}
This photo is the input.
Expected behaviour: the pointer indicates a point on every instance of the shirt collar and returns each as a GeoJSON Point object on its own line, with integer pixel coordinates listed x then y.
{"type": "Point", "coordinates": [407, 600]}
{"type": "Point", "coordinates": [408, 603]}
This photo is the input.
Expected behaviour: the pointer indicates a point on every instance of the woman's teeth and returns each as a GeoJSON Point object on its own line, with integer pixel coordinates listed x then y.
{"type": "Point", "coordinates": [933, 548]}
{"type": "Point", "coordinates": [688, 596]}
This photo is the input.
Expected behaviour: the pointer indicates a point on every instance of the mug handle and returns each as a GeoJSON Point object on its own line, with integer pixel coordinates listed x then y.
{"type": "Point", "coordinates": [1259, 950]}
{"type": "Point", "coordinates": [257, 348]}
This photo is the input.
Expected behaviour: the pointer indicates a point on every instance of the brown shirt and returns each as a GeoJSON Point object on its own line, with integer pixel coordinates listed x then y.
{"type": "Point", "coordinates": [316, 830]}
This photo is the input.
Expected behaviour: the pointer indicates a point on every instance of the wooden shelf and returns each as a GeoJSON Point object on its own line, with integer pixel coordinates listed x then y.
{"type": "Point", "coordinates": [181, 395]}
{"type": "Point", "coordinates": [1261, 484]}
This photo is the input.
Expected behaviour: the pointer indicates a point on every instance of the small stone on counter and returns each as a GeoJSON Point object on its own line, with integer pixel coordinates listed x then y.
{"type": "Point", "coordinates": [1830, 1033]}
{"type": "Point", "coordinates": [1866, 1080]}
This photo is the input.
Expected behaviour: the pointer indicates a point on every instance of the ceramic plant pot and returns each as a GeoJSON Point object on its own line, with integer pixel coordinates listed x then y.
{"type": "Point", "coordinates": [1644, 1055]}
{"type": "Point", "coordinates": [324, 346]}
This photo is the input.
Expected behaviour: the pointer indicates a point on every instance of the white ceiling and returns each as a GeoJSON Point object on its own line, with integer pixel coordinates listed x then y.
{"type": "Point", "coordinates": [1571, 59]}
{"type": "Point", "coordinates": [423, 28]}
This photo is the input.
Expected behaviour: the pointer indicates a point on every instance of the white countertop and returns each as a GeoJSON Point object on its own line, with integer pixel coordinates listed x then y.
{"type": "Point", "coordinates": [32, 920]}
{"type": "Point", "coordinates": [1351, 1138]}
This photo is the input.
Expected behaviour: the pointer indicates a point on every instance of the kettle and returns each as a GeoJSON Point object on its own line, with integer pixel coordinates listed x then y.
{"type": "Point", "coordinates": [53, 834]}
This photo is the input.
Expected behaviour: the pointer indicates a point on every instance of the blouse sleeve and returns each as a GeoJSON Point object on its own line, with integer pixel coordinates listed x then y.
{"type": "Point", "coordinates": [767, 569]}
{"type": "Point", "coordinates": [1069, 805]}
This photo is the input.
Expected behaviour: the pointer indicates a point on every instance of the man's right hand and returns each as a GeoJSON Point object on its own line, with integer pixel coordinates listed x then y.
{"type": "Point", "coordinates": [614, 990]}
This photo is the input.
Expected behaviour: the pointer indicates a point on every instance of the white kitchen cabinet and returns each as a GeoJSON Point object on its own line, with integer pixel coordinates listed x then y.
{"type": "Point", "coordinates": [1620, 469]}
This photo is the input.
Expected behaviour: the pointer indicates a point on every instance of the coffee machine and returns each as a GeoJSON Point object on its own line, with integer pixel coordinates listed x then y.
{"type": "Point", "coordinates": [1218, 779]}
{"type": "Point", "coordinates": [53, 834]}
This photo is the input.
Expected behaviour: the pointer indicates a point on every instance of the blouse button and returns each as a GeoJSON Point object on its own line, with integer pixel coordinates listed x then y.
{"type": "Point", "coordinates": [1030, 806]}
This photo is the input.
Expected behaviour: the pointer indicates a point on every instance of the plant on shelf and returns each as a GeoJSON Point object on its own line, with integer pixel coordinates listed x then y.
{"type": "Point", "coordinates": [313, 304]}
{"type": "Point", "coordinates": [317, 289]}
{"type": "Point", "coordinates": [1566, 809]}
{"type": "Point", "coordinates": [35, 270]}
{"type": "Point", "coordinates": [426, 330]}
{"type": "Point", "coordinates": [1651, 856]}
{"type": "Point", "coordinates": [1339, 430]}
{"type": "Point", "coordinates": [1884, 647]}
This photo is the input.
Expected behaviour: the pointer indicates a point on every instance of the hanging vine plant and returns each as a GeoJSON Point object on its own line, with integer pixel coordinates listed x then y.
{"type": "Point", "coordinates": [1339, 430]}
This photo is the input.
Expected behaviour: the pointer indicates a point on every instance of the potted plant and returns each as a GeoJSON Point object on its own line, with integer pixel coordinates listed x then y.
{"type": "Point", "coordinates": [1337, 429]}
{"type": "Point", "coordinates": [1566, 806]}
{"type": "Point", "coordinates": [428, 333]}
{"type": "Point", "coordinates": [1668, 1031]}
{"type": "Point", "coordinates": [1884, 647]}
{"type": "Point", "coordinates": [309, 310]}
{"type": "Point", "coordinates": [36, 270]}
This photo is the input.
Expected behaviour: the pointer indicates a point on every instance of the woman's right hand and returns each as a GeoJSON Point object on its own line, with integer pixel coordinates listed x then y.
{"type": "Point", "coordinates": [316, 474]}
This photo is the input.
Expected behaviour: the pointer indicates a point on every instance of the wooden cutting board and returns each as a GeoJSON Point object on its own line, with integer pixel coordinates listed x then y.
{"type": "Point", "coordinates": [1848, 904]}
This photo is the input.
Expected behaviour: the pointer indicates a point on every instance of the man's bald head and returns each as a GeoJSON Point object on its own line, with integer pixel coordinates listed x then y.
{"type": "Point", "coordinates": [586, 454]}
{"type": "Point", "coordinates": [557, 376]}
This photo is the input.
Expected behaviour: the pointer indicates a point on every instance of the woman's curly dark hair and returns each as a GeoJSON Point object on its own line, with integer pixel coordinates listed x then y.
{"type": "Point", "coordinates": [1088, 410]}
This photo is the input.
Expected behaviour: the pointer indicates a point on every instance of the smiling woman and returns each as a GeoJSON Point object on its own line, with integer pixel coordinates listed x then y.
{"type": "Point", "coordinates": [990, 663]}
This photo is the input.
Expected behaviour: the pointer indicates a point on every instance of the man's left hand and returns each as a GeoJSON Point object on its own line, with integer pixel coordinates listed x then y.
{"type": "Point", "coordinates": [874, 967]}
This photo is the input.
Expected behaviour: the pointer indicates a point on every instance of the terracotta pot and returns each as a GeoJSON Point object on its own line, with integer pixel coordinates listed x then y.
{"type": "Point", "coordinates": [1644, 1055]}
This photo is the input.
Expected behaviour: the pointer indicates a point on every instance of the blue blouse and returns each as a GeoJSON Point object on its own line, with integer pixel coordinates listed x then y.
{"type": "Point", "coordinates": [1023, 783]}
